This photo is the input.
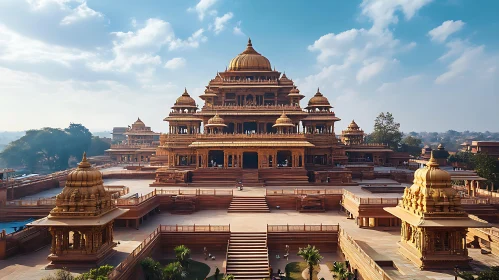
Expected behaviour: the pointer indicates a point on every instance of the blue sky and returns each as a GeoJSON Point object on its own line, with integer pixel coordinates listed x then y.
{"type": "Point", "coordinates": [433, 64]}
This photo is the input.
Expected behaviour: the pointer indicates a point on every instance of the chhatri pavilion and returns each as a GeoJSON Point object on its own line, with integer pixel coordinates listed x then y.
{"type": "Point", "coordinates": [252, 120]}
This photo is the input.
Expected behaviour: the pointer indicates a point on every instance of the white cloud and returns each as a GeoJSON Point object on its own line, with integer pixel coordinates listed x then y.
{"type": "Point", "coordinates": [237, 29]}
{"type": "Point", "coordinates": [469, 57]}
{"type": "Point", "coordinates": [17, 48]}
{"type": "Point", "coordinates": [447, 28]}
{"type": "Point", "coordinates": [80, 13]}
{"type": "Point", "coordinates": [140, 48]}
{"type": "Point", "coordinates": [383, 12]}
{"type": "Point", "coordinates": [192, 42]}
{"type": "Point", "coordinates": [204, 7]}
{"type": "Point", "coordinates": [369, 70]}
{"type": "Point", "coordinates": [175, 63]}
{"type": "Point", "coordinates": [220, 22]}
{"type": "Point", "coordinates": [40, 4]}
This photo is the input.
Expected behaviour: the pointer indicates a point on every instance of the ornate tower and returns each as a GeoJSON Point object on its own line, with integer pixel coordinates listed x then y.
{"type": "Point", "coordinates": [434, 225]}
{"type": "Point", "coordinates": [81, 223]}
{"type": "Point", "coordinates": [353, 135]}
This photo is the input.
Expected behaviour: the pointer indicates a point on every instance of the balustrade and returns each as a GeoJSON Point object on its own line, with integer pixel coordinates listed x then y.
{"type": "Point", "coordinates": [303, 228]}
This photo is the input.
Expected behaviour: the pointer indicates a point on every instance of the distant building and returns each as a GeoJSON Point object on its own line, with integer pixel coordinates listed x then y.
{"type": "Point", "coordinates": [119, 134]}
{"type": "Point", "coordinates": [490, 148]}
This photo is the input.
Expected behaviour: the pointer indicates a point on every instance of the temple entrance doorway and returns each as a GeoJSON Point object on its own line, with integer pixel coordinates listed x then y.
{"type": "Point", "coordinates": [216, 158]}
{"type": "Point", "coordinates": [249, 127]}
{"type": "Point", "coordinates": [284, 159]}
{"type": "Point", "coordinates": [250, 160]}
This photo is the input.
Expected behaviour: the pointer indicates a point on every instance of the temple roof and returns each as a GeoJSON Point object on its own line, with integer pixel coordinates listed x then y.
{"type": "Point", "coordinates": [283, 121]}
{"type": "Point", "coordinates": [185, 100]}
{"type": "Point", "coordinates": [250, 60]}
{"type": "Point", "coordinates": [318, 100]}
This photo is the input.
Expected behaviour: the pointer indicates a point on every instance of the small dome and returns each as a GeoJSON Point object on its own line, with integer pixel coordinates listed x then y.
{"type": "Point", "coordinates": [294, 91]}
{"type": "Point", "coordinates": [216, 121]}
{"type": "Point", "coordinates": [441, 146]}
{"type": "Point", "coordinates": [318, 100]}
{"type": "Point", "coordinates": [84, 175]}
{"type": "Point", "coordinates": [353, 125]}
{"type": "Point", "coordinates": [249, 60]}
{"type": "Point", "coordinates": [185, 100]}
{"type": "Point", "coordinates": [283, 120]}
{"type": "Point", "coordinates": [432, 176]}
{"type": "Point", "coordinates": [138, 124]}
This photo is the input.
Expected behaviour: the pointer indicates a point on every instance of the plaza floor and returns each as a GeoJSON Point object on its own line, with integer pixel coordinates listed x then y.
{"type": "Point", "coordinates": [374, 241]}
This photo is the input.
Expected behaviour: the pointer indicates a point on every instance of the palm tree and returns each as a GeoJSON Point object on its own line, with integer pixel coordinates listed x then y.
{"type": "Point", "coordinates": [311, 256]}
{"type": "Point", "coordinates": [173, 271]}
{"type": "Point", "coordinates": [340, 271]}
{"type": "Point", "coordinates": [228, 277]}
{"type": "Point", "coordinates": [182, 253]}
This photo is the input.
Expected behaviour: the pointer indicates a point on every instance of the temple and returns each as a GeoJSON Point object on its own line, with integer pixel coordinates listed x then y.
{"type": "Point", "coordinates": [252, 123]}
{"type": "Point", "coordinates": [434, 224]}
{"type": "Point", "coordinates": [139, 144]}
{"type": "Point", "coordinates": [81, 224]}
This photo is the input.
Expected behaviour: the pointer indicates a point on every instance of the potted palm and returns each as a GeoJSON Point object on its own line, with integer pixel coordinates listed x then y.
{"type": "Point", "coordinates": [311, 256]}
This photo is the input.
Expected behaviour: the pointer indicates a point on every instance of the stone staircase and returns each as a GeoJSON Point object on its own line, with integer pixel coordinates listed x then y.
{"type": "Point", "coordinates": [247, 255]}
{"type": "Point", "coordinates": [250, 178]}
{"type": "Point", "coordinates": [248, 204]}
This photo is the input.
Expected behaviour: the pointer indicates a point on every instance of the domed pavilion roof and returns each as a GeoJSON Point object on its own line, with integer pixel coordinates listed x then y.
{"type": "Point", "coordinates": [249, 60]}
{"type": "Point", "coordinates": [283, 121]}
{"type": "Point", "coordinates": [185, 101]}
{"type": "Point", "coordinates": [319, 101]}
{"type": "Point", "coordinates": [216, 121]}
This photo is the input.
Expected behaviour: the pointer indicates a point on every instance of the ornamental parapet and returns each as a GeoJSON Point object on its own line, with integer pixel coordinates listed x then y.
{"type": "Point", "coordinates": [254, 107]}
{"type": "Point", "coordinates": [245, 82]}
{"type": "Point", "coordinates": [275, 136]}
{"type": "Point", "coordinates": [370, 200]}
{"type": "Point", "coordinates": [130, 146]}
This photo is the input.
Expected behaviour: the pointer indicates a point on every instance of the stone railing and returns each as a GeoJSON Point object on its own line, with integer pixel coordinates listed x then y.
{"type": "Point", "coordinates": [132, 146]}
{"type": "Point", "coordinates": [482, 192]}
{"type": "Point", "coordinates": [254, 107]}
{"type": "Point", "coordinates": [31, 202]}
{"type": "Point", "coordinates": [285, 192]}
{"type": "Point", "coordinates": [346, 240]}
{"type": "Point", "coordinates": [479, 200]}
{"type": "Point", "coordinates": [273, 136]}
{"type": "Point", "coordinates": [303, 228]}
{"type": "Point", "coordinates": [197, 192]}
{"type": "Point", "coordinates": [248, 81]}
{"type": "Point", "coordinates": [370, 200]}
{"type": "Point", "coordinates": [134, 257]}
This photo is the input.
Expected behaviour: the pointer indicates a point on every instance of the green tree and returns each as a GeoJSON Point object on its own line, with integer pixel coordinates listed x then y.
{"type": "Point", "coordinates": [173, 271]}
{"type": "Point", "coordinates": [386, 131]}
{"type": "Point", "coordinates": [490, 274]}
{"type": "Point", "coordinates": [60, 274]}
{"type": "Point", "coordinates": [152, 269]}
{"type": "Point", "coordinates": [311, 256]}
{"type": "Point", "coordinates": [486, 167]}
{"type": "Point", "coordinates": [228, 277]}
{"type": "Point", "coordinates": [340, 270]}
{"type": "Point", "coordinates": [99, 273]}
{"type": "Point", "coordinates": [47, 147]}
{"type": "Point", "coordinates": [411, 145]}
{"type": "Point", "coordinates": [97, 146]}
{"type": "Point", "coordinates": [182, 253]}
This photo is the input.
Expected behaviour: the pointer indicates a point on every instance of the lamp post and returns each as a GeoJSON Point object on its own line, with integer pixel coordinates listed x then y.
{"type": "Point", "coordinates": [456, 271]}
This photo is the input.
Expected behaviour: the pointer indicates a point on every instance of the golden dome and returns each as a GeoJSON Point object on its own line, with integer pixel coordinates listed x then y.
{"type": "Point", "coordinates": [432, 176]}
{"type": "Point", "coordinates": [216, 121]}
{"type": "Point", "coordinates": [318, 100]}
{"type": "Point", "coordinates": [249, 60]}
{"type": "Point", "coordinates": [185, 100]}
{"type": "Point", "coordinates": [283, 120]}
{"type": "Point", "coordinates": [138, 123]}
{"type": "Point", "coordinates": [83, 194]}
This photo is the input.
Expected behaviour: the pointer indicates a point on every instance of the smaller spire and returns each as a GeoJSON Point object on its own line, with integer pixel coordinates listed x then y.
{"type": "Point", "coordinates": [84, 159]}
{"type": "Point", "coordinates": [432, 162]}
{"type": "Point", "coordinates": [249, 42]}
{"type": "Point", "coordinates": [185, 92]}
{"type": "Point", "coordinates": [84, 163]}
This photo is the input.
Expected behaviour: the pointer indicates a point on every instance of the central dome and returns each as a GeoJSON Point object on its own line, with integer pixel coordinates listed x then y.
{"type": "Point", "coordinates": [249, 60]}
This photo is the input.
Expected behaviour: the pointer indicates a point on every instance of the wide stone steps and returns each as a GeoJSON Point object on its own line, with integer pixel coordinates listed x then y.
{"type": "Point", "coordinates": [248, 204]}
{"type": "Point", "coordinates": [247, 256]}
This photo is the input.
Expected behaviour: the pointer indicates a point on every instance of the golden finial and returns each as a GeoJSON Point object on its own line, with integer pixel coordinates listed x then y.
{"type": "Point", "coordinates": [249, 42]}
{"type": "Point", "coordinates": [84, 159]}
{"type": "Point", "coordinates": [432, 162]}
{"type": "Point", "coordinates": [84, 163]}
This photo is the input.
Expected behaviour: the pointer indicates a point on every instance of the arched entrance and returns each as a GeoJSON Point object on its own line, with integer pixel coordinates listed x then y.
{"type": "Point", "coordinates": [250, 160]}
